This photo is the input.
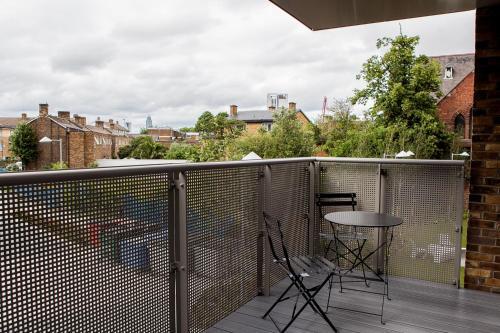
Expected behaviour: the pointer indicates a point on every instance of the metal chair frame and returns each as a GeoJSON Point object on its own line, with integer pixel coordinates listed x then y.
{"type": "Point", "coordinates": [339, 238]}
{"type": "Point", "coordinates": [304, 266]}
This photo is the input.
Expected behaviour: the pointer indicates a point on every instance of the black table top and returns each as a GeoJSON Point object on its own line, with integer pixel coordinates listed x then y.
{"type": "Point", "coordinates": [363, 219]}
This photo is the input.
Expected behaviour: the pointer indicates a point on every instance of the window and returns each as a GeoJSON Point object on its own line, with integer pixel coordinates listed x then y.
{"type": "Point", "coordinates": [448, 72]}
{"type": "Point", "coordinates": [267, 126]}
{"type": "Point", "coordinates": [459, 125]}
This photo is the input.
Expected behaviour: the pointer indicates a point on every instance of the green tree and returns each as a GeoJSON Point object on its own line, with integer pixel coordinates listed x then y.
{"type": "Point", "coordinates": [142, 147]}
{"type": "Point", "coordinates": [187, 129]}
{"type": "Point", "coordinates": [148, 149]}
{"type": "Point", "coordinates": [183, 151]}
{"type": "Point", "coordinates": [143, 131]}
{"type": "Point", "coordinates": [205, 124]}
{"type": "Point", "coordinates": [287, 138]}
{"type": "Point", "coordinates": [404, 89]}
{"type": "Point", "coordinates": [23, 143]}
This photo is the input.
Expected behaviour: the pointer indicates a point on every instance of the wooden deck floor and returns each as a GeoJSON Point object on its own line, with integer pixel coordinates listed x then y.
{"type": "Point", "coordinates": [416, 306]}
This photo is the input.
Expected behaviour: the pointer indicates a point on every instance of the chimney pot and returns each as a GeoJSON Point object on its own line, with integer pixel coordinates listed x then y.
{"type": "Point", "coordinates": [24, 116]}
{"type": "Point", "coordinates": [110, 121]}
{"type": "Point", "coordinates": [63, 114]}
{"type": "Point", "coordinates": [233, 110]}
{"type": "Point", "coordinates": [43, 110]}
{"type": "Point", "coordinates": [292, 106]}
{"type": "Point", "coordinates": [272, 108]}
{"type": "Point", "coordinates": [99, 122]}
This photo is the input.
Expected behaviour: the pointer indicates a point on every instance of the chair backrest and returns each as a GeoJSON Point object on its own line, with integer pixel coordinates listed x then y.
{"type": "Point", "coordinates": [336, 200]}
{"type": "Point", "coordinates": [277, 242]}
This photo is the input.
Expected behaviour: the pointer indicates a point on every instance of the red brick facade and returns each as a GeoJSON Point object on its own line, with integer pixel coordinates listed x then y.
{"type": "Point", "coordinates": [483, 242]}
{"type": "Point", "coordinates": [82, 144]}
{"type": "Point", "coordinates": [458, 103]}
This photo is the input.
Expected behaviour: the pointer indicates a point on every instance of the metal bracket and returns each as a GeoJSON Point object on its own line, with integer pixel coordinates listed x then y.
{"type": "Point", "coordinates": [176, 266]}
{"type": "Point", "coordinates": [179, 185]}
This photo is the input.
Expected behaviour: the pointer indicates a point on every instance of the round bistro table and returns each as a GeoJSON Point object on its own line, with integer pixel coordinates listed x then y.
{"type": "Point", "coordinates": [360, 219]}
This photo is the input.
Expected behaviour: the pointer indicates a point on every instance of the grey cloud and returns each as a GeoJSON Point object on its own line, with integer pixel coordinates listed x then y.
{"type": "Point", "coordinates": [174, 59]}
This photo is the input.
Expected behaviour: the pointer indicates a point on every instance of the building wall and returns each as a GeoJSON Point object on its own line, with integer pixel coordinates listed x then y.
{"type": "Point", "coordinates": [4, 142]}
{"type": "Point", "coordinates": [483, 239]}
{"type": "Point", "coordinates": [49, 152]}
{"type": "Point", "coordinates": [458, 101]}
{"type": "Point", "coordinates": [104, 146]}
{"type": "Point", "coordinates": [76, 150]}
{"type": "Point", "coordinates": [302, 118]}
{"type": "Point", "coordinates": [253, 128]}
{"type": "Point", "coordinates": [88, 150]}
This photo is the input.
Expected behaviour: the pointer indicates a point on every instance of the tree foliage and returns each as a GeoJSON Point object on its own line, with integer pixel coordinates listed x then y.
{"type": "Point", "coordinates": [183, 151]}
{"type": "Point", "coordinates": [23, 143]}
{"type": "Point", "coordinates": [219, 126]}
{"type": "Point", "coordinates": [287, 138]}
{"type": "Point", "coordinates": [403, 88]}
{"type": "Point", "coordinates": [142, 147]}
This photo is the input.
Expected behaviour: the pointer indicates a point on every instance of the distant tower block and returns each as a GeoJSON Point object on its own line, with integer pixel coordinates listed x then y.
{"type": "Point", "coordinates": [277, 101]}
{"type": "Point", "coordinates": [149, 122]}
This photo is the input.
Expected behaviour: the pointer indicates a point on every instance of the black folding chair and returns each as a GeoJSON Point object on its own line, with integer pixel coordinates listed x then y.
{"type": "Point", "coordinates": [344, 236]}
{"type": "Point", "coordinates": [297, 269]}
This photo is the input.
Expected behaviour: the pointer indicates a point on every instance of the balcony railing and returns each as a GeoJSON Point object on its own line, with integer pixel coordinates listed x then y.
{"type": "Point", "coordinates": [179, 247]}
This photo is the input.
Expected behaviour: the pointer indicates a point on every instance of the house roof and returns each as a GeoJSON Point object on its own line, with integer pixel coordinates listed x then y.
{"type": "Point", "coordinates": [10, 122]}
{"type": "Point", "coordinates": [66, 123]}
{"type": "Point", "coordinates": [118, 127]}
{"type": "Point", "coordinates": [96, 129]}
{"type": "Point", "coordinates": [254, 116]}
{"type": "Point", "coordinates": [462, 65]}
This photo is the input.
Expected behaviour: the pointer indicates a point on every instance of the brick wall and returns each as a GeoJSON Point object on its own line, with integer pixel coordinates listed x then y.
{"type": "Point", "coordinates": [76, 150]}
{"type": "Point", "coordinates": [458, 101]}
{"type": "Point", "coordinates": [483, 247]}
{"type": "Point", "coordinates": [88, 150]}
{"type": "Point", "coordinates": [49, 152]}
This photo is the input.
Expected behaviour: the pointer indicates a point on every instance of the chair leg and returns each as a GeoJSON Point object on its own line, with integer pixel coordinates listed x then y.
{"type": "Point", "coordinates": [329, 293]}
{"type": "Point", "coordinates": [278, 300]}
{"type": "Point", "coordinates": [312, 303]}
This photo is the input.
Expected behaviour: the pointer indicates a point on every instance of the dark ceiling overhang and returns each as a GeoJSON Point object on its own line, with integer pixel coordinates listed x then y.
{"type": "Point", "coordinates": [327, 14]}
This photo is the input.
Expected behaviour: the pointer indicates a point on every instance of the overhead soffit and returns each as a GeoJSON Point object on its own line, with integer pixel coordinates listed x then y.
{"type": "Point", "coordinates": [327, 14]}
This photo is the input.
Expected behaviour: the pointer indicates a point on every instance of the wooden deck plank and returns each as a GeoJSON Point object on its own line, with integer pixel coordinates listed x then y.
{"type": "Point", "coordinates": [416, 307]}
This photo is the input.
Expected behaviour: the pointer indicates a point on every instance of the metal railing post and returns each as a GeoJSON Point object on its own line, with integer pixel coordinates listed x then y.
{"type": "Point", "coordinates": [379, 206]}
{"type": "Point", "coordinates": [172, 202]}
{"type": "Point", "coordinates": [260, 237]}
{"type": "Point", "coordinates": [312, 208]}
{"type": "Point", "coordinates": [181, 264]}
{"type": "Point", "coordinates": [267, 257]}
{"type": "Point", "coordinates": [458, 226]}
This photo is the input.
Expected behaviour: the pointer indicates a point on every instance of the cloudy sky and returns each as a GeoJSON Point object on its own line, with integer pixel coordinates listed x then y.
{"type": "Point", "coordinates": [174, 59]}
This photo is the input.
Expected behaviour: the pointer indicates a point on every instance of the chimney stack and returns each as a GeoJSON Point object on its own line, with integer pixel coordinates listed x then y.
{"type": "Point", "coordinates": [24, 116]}
{"type": "Point", "coordinates": [63, 114]}
{"type": "Point", "coordinates": [292, 106]}
{"type": "Point", "coordinates": [82, 121]}
{"type": "Point", "coordinates": [99, 123]}
{"type": "Point", "coordinates": [272, 108]}
{"type": "Point", "coordinates": [233, 110]}
{"type": "Point", "coordinates": [43, 110]}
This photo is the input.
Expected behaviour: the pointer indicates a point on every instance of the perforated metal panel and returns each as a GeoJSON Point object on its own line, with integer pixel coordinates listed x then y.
{"type": "Point", "coordinates": [288, 200]}
{"type": "Point", "coordinates": [222, 224]}
{"type": "Point", "coordinates": [86, 256]}
{"type": "Point", "coordinates": [350, 178]}
{"type": "Point", "coordinates": [426, 197]}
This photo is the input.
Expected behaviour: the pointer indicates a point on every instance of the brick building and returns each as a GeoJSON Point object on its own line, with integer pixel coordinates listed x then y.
{"type": "Point", "coordinates": [164, 135]}
{"type": "Point", "coordinates": [257, 119]}
{"type": "Point", "coordinates": [7, 126]}
{"type": "Point", "coordinates": [482, 266]}
{"type": "Point", "coordinates": [82, 144]}
{"type": "Point", "coordinates": [454, 107]}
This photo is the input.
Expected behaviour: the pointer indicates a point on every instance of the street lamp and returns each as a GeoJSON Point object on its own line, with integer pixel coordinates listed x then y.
{"type": "Point", "coordinates": [462, 154]}
{"type": "Point", "coordinates": [49, 140]}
